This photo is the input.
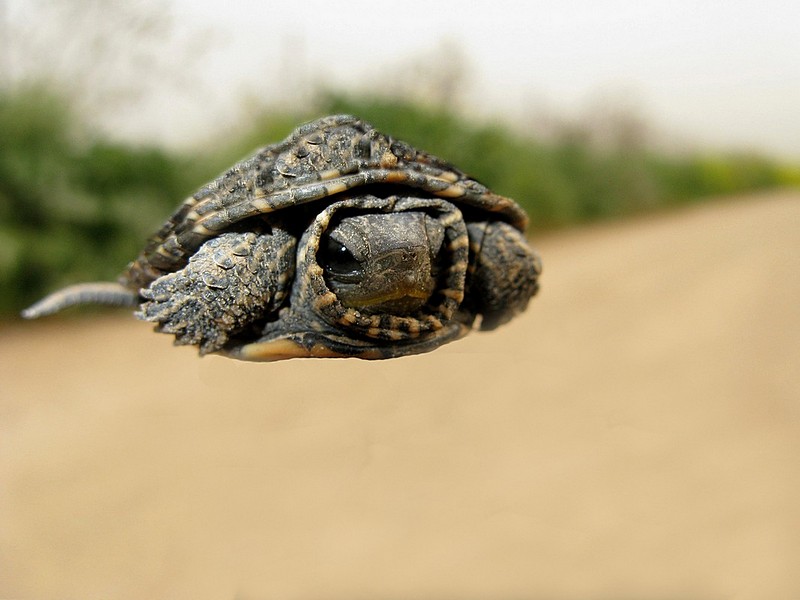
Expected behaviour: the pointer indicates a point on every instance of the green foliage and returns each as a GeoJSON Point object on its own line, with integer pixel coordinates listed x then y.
{"type": "Point", "coordinates": [687, 179]}
{"type": "Point", "coordinates": [73, 207]}
{"type": "Point", "coordinates": [77, 207]}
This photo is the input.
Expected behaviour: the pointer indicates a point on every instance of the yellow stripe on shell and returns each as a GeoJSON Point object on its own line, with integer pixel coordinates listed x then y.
{"type": "Point", "coordinates": [388, 160]}
{"type": "Point", "coordinates": [457, 295]}
{"type": "Point", "coordinates": [461, 241]}
{"type": "Point", "coordinates": [329, 174]}
{"type": "Point", "coordinates": [335, 188]}
{"type": "Point", "coordinates": [453, 191]}
{"type": "Point", "coordinates": [449, 176]}
{"type": "Point", "coordinates": [201, 229]}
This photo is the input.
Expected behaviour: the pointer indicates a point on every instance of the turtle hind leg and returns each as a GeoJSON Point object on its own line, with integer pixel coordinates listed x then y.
{"type": "Point", "coordinates": [113, 294]}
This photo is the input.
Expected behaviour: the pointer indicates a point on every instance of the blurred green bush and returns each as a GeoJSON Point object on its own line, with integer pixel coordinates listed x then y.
{"type": "Point", "coordinates": [76, 206]}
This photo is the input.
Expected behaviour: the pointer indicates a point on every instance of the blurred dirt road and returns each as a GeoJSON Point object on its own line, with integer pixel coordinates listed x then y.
{"type": "Point", "coordinates": [635, 434]}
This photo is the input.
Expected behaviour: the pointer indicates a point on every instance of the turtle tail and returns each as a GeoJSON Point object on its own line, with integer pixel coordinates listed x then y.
{"type": "Point", "coordinates": [113, 294]}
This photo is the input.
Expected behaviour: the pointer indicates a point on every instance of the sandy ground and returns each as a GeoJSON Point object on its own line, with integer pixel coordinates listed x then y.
{"type": "Point", "coordinates": [636, 434]}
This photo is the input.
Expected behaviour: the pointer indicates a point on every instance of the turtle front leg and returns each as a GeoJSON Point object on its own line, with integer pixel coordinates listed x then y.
{"type": "Point", "coordinates": [504, 272]}
{"type": "Point", "coordinates": [231, 282]}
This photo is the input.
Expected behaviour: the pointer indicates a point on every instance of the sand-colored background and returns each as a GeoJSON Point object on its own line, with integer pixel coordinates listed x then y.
{"type": "Point", "coordinates": [636, 434]}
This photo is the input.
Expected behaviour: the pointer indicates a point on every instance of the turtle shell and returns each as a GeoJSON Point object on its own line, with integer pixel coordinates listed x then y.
{"type": "Point", "coordinates": [319, 160]}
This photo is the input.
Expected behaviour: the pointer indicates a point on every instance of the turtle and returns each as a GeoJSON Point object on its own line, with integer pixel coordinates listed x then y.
{"type": "Point", "coordinates": [339, 241]}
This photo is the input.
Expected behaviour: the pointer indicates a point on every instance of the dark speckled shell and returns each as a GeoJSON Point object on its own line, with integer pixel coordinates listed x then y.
{"type": "Point", "coordinates": [319, 160]}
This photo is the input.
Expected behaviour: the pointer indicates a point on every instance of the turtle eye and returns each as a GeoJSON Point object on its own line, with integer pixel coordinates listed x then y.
{"type": "Point", "coordinates": [339, 262]}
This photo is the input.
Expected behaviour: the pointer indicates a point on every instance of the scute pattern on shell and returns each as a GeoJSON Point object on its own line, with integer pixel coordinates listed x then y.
{"type": "Point", "coordinates": [320, 159]}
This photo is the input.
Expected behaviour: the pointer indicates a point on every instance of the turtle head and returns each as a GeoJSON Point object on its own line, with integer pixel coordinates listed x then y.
{"type": "Point", "coordinates": [375, 278]}
{"type": "Point", "coordinates": [379, 263]}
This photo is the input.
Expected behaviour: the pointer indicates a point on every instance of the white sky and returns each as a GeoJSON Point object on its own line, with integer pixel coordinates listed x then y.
{"type": "Point", "coordinates": [722, 73]}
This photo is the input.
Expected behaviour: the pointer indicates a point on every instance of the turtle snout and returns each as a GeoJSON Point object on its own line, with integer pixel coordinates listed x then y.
{"type": "Point", "coordinates": [379, 263]}
{"type": "Point", "coordinates": [399, 281]}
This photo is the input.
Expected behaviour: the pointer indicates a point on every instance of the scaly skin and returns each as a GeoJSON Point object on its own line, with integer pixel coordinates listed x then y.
{"type": "Point", "coordinates": [230, 283]}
